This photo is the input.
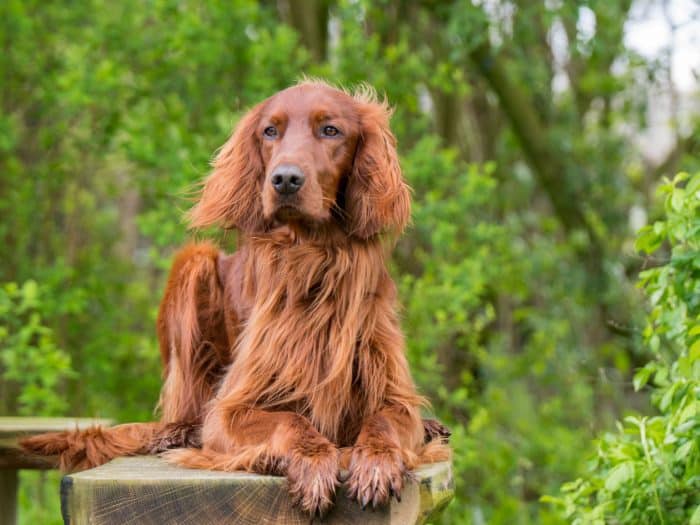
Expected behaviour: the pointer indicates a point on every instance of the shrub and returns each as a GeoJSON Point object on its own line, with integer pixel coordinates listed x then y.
{"type": "Point", "coordinates": [649, 470]}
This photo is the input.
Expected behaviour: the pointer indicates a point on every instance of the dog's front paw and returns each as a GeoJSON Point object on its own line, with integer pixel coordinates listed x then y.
{"type": "Point", "coordinates": [176, 435]}
{"type": "Point", "coordinates": [433, 430]}
{"type": "Point", "coordinates": [376, 473]}
{"type": "Point", "coordinates": [312, 474]}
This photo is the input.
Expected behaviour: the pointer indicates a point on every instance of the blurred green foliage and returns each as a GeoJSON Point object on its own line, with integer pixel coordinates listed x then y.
{"type": "Point", "coordinates": [517, 277]}
{"type": "Point", "coordinates": [32, 365]}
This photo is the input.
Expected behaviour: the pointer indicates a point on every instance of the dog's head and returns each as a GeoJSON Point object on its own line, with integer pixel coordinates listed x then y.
{"type": "Point", "coordinates": [309, 154]}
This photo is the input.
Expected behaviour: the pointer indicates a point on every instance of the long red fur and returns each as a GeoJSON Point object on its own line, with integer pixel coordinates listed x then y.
{"type": "Point", "coordinates": [288, 353]}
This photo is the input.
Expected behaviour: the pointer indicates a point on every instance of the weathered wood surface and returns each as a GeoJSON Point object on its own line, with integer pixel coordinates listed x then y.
{"type": "Point", "coordinates": [147, 490]}
{"type": "Point", "coordinates": [12, 458]}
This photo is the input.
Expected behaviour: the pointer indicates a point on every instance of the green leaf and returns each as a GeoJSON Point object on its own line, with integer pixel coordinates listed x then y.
{"type": "Point", "coordinates": [677, 199]}
{"type": "Point", "coordinates": [683, 451]}
{"type": "Point", "coordinates": [695, 518]}
{"type": "Point", "coordinates": [694, 350]}
{"type": "Point", "coordinates": [619, 475]}
{"type": "Point", "coordinates": [693, 186]}
{"type": "Point", "coordinates": [642, 376]}
{"type": "Point", "coordinates": [667, 398]}
{"type": "Point", "coordinates": [648, 240]}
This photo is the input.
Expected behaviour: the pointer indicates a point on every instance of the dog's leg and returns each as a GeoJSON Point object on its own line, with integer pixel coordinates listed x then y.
{"type": "Point", "coordinates": [282, 443]}
{"type": "Point", "coordinates": [383, 454]}
{"type": "Point", "coordinates": [193, 344]}
{"type": "Point", "coordinates": [191, 333]}
{"type": "Point", "coordinates": [392, 438]}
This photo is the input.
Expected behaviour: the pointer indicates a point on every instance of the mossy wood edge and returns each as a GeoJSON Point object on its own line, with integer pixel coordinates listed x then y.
{"type": "Point", "coordinates": [147, 490]}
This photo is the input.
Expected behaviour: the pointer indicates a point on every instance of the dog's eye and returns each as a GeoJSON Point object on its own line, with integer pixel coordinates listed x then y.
{"type": "Point", "coordinates": [330, 131]}
{"type": "Point", "coordinates": [270, 132]}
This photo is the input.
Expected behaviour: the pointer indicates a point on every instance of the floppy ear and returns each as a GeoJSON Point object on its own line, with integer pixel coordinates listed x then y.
{"type": "Point", "coordinates": [376, 197]}
{"type": "Point", "coordinates": [231, 196]}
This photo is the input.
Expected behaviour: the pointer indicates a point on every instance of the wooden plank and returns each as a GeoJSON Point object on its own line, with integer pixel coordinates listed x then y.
{"type": "Point", "coordinates": [12, 427]}
{"type": "Point", "coordinates": [146, 490]}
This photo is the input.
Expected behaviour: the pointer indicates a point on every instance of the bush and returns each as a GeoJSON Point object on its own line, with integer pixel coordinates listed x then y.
{"type": "Point", "coordinates": [28, 352]}
{"type": "Point", "coordinates": [649, 470]}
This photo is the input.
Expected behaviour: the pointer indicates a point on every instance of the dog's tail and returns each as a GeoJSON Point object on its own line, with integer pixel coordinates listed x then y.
{"type": "Point", "coordinates": [75, 450]}
{"type": "Point", "coordinates": [82, 449]}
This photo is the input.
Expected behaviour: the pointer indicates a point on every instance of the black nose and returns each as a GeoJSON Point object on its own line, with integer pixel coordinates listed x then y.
{"type": "Point", "coordinates": [287, 179]}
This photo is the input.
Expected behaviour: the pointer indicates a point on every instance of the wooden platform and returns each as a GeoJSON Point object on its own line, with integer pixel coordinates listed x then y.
{"type": "Point", "coordinates": [146, 490]}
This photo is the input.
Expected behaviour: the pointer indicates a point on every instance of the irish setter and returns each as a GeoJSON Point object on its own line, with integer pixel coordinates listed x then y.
{"type": "Point", "coordinates": [286, 357]}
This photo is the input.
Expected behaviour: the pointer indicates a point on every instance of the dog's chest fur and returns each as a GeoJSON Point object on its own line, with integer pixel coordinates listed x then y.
{"type": "Point", "coordinates": [305, 329]}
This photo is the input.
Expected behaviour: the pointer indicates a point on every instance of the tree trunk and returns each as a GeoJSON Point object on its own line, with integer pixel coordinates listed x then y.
{"type": "Point", "coordinates": [310, 19]}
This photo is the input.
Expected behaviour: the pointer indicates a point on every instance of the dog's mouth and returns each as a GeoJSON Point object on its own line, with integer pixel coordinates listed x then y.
{"type": "Point", "coordinates": [288, 212]}
{"type": "Point", "coordinates": [293, 210]}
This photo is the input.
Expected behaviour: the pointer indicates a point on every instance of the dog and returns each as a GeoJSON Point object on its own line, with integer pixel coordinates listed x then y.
{"type": "Point", "coordinates": [287, 356]}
